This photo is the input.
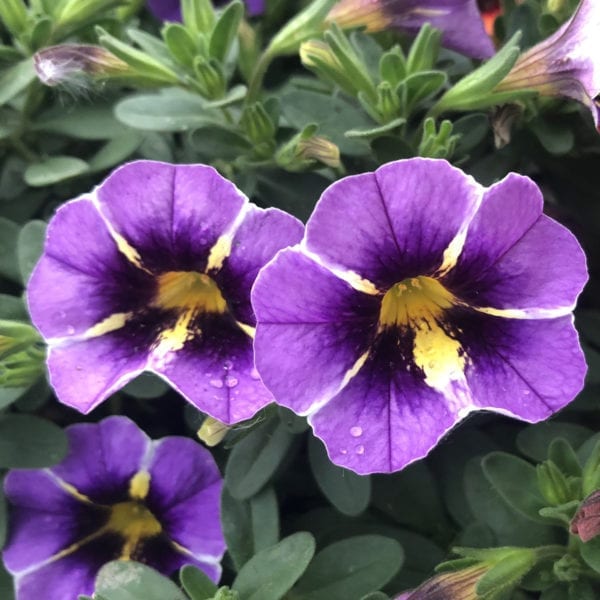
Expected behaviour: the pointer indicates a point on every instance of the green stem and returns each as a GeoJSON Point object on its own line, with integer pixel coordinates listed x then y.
{"type": "Point", "coordinates": [257, 76]}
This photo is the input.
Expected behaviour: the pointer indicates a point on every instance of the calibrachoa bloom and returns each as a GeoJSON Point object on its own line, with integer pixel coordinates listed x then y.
{"type": "Point", "coordinates": [170, 10]}
{"type": "Point", "coordinates": [117, 494]}
{"type": "Point", "coordinates": [458, 20]}
{"type": "Point", "coordinates": [152, 271]}
{"type": "Point", "coordinates": [416, 297]}
{"type": "Point", "coordinates": [565, 64]}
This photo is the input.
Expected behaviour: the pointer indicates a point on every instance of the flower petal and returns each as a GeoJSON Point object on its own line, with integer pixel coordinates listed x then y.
{"type": "Point", "coordinates": [43, 511]}
{"type": "Point", "coordinates": [259, 237]}
{"type": "Point", "coordinates": [103, 457]}
{"type": "Point", "coordinates": [185, 490]}
{"type": "Point", "coordinates": [214, 370]}
{"type": "Point", "coordinates": [84, 373]}
{"type": "Point", "coordinates": [81, 254]}
{"type": "Point", "coordinates": [516, 258]}
{"type": "Point", "coordinates": [406, 219]}
{"type": "Point", "coordinates": [524, 368]}
{"type": "Point", "coordinates": [386, 417]}
{"type": "Point", "coordinates": [67, 578]}
{"type": "Point", "coordinates": [312, 329]}
{"type": "Point", "coordinates": [167, 213]}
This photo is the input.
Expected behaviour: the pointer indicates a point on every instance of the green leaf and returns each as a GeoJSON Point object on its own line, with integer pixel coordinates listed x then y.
{"type": "Point", "coordinates": [128, 580]}
{"type": "Point", "coordinates": [254, 459]}
{"type": "Point", "coordinates": [372, 132]}
{"type": "Point", "coordinates": [115, 151]}
{"type": "Point", "coordinates": [6, 584]}
{"type": "Point", "coordinates": [9, 234]}
{"type": "Point", "coordinates": [351, 568]}
{"type": "Point", "coordinates": [28, 442]}
{"type": "Point", "coordinates": [516, 481]}
{"type": "Point", "coordinates": [82, 122]}
{"type": "Point", "coordinates": [15, 79]}
{"type": "Point", "coordinates": [534, 441]}
{"type": "Point", "coordinates": [30, 245]}
{"type": "Point", "coordinates": [590, 552]}
{"type": "Point", "coordinates": [12, 308]}
{"type": "Point", "coordinates": [172, 110]}
{"type": "Point", "coordinates": [146, 386]}
{"type": "Point", "coordinates": [196, 583]}
{"type": "Point", "coordinates": [348, 492]}
{"type": "Point", "coordinates": [249, 526]}
{"type": "Point", "coordinates": [225, 30]}
{"type": "Point", "coordinates": [271, 573]}
{"type": "Point", "coordinates": [565, 458]}
{"type": "Point", "coordinates": [53, 170]}
{"type": "Point", "coordinates": [507, 573]}
{"type": "Point", "coordinates": [180, 43]}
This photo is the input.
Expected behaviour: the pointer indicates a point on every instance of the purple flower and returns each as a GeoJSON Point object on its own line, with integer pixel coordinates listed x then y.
{"type": "Point", "coordinates": [152, 271]}
{"type": "Point", "coordinates": [459, 20]}
{"type": "Point", "coordinates": [416, 297]}
{"type": "Point", "coordinates": [170, 10]}
{"type": "Point", "coordinates": [565, 64]}
{"type": "Point", "coordinates": [117, 494]}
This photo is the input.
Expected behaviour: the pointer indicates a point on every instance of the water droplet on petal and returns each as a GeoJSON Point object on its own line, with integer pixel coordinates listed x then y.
{"type": "Point", "coordinates": [343, 451]}
{"type": "Point", "coordinates": [216, 383]}
{"type": "Point", "coordinates": [231, 381]}
{"type": "Point", "coordinates": [70, 330]}
{"type": "Point", "coordinates": [227, 365]}
{"type": "Point", "coordinates": [356, 431]}
{"type": "Point", "coordinates": [360, 449]}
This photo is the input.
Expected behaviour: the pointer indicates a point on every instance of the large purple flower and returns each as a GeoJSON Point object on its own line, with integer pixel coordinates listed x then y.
{"type": "Point", "coordinates": [416, 297]}
{"type": "Point", "coordinates": [459, 20]}
{"type": "Point", "coordinates": [116, 495]}
{"type": "Point", "coordinates": [170, 10]}
{"type": "Point", "coordinates": [565, 64]}
{"type": "Point", "coordinates": [152, 271]}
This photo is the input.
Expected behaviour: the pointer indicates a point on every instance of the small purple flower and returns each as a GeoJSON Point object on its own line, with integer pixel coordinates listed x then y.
{"type": "Point", "coordinates": [459, 20]}
{"type": "Point", "coordinates": [152, 271]}
{"type": "Point", "coordinates": [565, 64]}
{"type": "Point", "coordinates": [170, 10]}
{"type": "Point", "coordinates": [416, 297]}
{"type": "Point", "coordinates": [117, 494]}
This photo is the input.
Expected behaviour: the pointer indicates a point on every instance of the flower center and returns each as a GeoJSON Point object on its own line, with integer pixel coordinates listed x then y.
{"type": "Point", "coordinates": [189, 290]}
{"type": "Point", "coordinates": [419, 304]}
{"type": "Point", "coordinates": [414, 300]}
{"type": "Point", "coordinates": [134, 522]}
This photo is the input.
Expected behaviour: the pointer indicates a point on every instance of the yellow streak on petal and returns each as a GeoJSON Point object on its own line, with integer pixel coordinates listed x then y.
{"type": "Point", "coordinates": [111, 323]}
{"type": "Point", "coordinates": [73, 491]}
{"type": "Point", "coordinates": [173, 339]}
{"type": "Point", "coordinates": [452, 253]}
{"type": "Point", "coordinates": [134, 522]}
{"type": "Point", "coordinates": [219, 252]}
{"type": "Point", "coordinates": [430, 12]}
{"type": "Point", "coordinates": [439, 356]}
{"type": "Point", "coordinates": [139, 485]}
{"type": "Point", "coordinates": [357, 282]}
{"type": "Point", "coordinates": [247, 329]}
{"type": "Point", "coordinates": [525, 313]}
{"type": "Point", "coordinates": [353, 371]}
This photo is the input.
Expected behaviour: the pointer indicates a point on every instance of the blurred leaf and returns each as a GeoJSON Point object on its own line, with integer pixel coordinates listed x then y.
{"type": "Point", "coordinates": [15, 79]}
{"type": "Point", "coordinates": [128, 580]}
{"type": "Point", "coordinates": [534, 441]}
{"type": "Point", "coordinates": [590, 552]}
{"type": "Point", "coordinates": [249, 526]}
{"type": "Point", "coordinates": [115, 151]}
{"type": "Point", "coordinates": [271, 573]}
{"type": "Point", "coordinates": [516, 481]}
{"type": "Point", "coordinates": [82, 122]}
{"type": "Point", "coordinates": [171, 110]}
{"type": "Point", "coordinates": [6, 584]}
{"type": "Point", "coordinates": [351, 568]}
{"type": "Point", "coordinates": [9, 234]}
{"type": "Point", "coordinates": [28, 442]}
{"type": "Point", "coordinates": [54, 169]}
{"type": "Point", "coordinates": [30, 245]}
{"type": "Point", "coordinates": [196, 583]}
{"type": "Point", "coordinates": [254, 459]}
{"type": "Point", "coordinates": [146, 386]}
{"type": "Point", "coordinates": [12, 308]}
{"type": "Point", "coordinates": [225, 30]}
{"type": "Point", "coordinates": [348, 492]}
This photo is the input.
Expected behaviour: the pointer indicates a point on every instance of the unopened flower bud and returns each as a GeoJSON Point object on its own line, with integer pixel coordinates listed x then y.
{"type": "Point", "coordinates": [320, 149]}
{"type": "Point", "coordinates": [586, 522]}
{"type": "Point", "coordinates": [68, 63]}
{"type": "Point", "coordinates": [212, 431]}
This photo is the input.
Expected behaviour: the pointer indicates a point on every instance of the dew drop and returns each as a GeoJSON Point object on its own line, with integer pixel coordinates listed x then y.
{"type": "Point", "coordinates": [356, 431]}
{"type": "Point", "coordinates": [227, 365]}
{"type": "Point", "coordinates": [216, 383]}
{"type": "Point", "coordinates": [254, 374]}
{"type": "Point", "coordinates": [343, 451]}
{"type": "Point", "coordinates": [230, 381]}
{"type": "Point", "coordinates": [360, 450]}
{"type": "Point", "coordinates": [70, 330]}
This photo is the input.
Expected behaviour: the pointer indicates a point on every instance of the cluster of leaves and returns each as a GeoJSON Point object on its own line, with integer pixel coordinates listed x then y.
{"type": "Point", "coordinates": [283, 119]}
